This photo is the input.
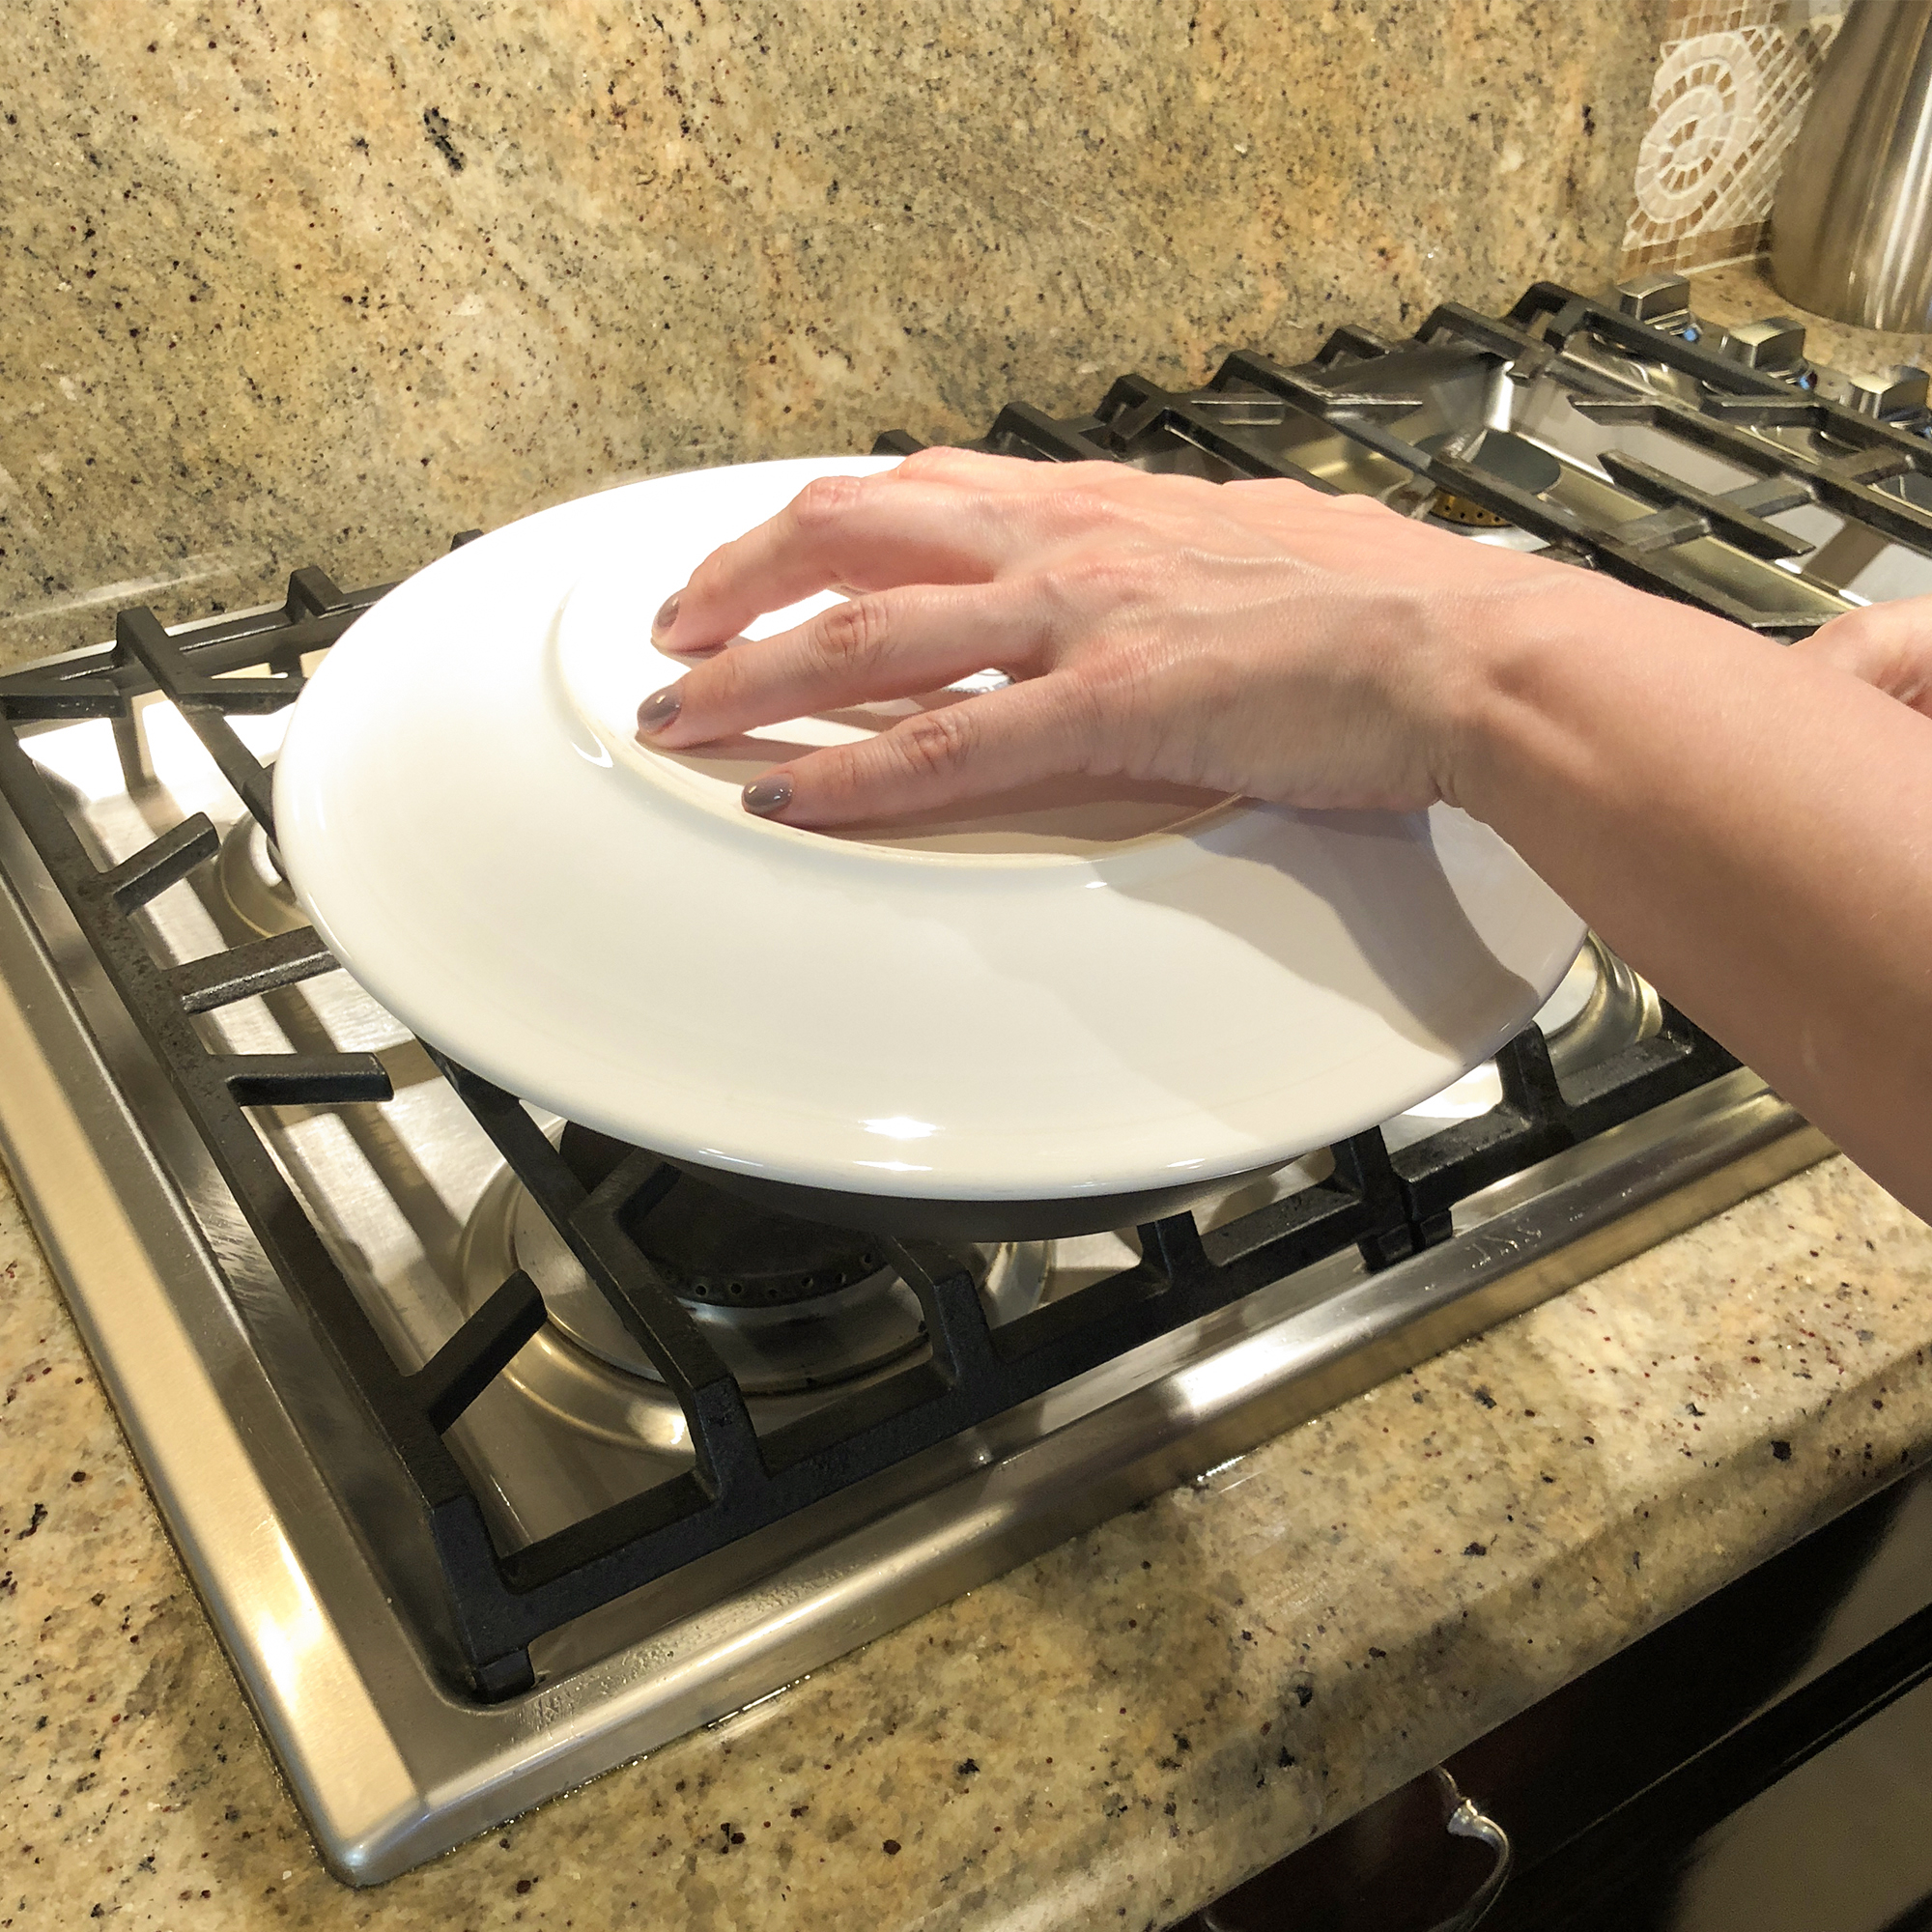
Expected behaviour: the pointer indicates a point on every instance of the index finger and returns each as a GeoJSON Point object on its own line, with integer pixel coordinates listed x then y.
{"type": "Point", "coordinates": [865, 532]}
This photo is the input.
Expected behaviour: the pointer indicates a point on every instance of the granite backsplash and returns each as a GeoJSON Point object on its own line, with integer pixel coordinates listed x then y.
{"type": "Point", "coordinates": [325, 284]}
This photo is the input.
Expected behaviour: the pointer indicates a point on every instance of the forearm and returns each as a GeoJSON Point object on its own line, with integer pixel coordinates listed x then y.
{"type": "Point", "coordinates": [1750, 827]}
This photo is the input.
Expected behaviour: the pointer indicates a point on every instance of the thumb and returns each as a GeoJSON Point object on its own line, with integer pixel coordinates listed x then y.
{"type": "Point", "coordinates": [1886, 645]}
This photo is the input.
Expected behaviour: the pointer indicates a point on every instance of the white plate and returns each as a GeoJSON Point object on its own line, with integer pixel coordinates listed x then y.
{"type": "Point", "coordinates": [1049, 1001]}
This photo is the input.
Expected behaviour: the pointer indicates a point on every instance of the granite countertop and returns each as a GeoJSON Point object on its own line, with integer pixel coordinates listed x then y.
{"type": "Point", "coordinates": [1117, 1731]}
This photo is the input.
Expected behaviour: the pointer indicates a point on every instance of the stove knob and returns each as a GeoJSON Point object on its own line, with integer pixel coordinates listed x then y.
{"type": "Point", "coordinates": [1888, 395]}
{"type": "Point", "coordinates": [1774, 342]}
{"type": "Point", "coordinates": [1654, 298]}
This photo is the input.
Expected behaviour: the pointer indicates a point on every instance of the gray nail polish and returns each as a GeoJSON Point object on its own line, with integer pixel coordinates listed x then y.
{"type": "Point", "coordinates": [765, 796]}
{"type": "Point", "coordinates": [658, 708]}
{"type": "Point", "coordinates": [667, 615]}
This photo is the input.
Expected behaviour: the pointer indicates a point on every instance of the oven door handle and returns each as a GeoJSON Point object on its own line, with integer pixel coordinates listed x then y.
{"type": "Point", "coordinates": [1464, 1819]}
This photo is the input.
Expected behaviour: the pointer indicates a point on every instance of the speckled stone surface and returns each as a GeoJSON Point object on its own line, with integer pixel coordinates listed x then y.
{"type": "Point", "coordinates": [1744, 291]}
{"type": "Point", "coordinates": [328, 283]}
{"type": "Point", "coordinates": [1113, 1733]}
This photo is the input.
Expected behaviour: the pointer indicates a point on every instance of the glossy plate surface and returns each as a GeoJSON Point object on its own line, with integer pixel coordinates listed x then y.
{"type": "Point", "coordinates": [1066, 993]}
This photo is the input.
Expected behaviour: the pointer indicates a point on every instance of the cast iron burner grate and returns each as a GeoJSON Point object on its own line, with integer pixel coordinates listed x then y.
{"type": "Point", "coordinates": [1873, 469]}
{"type": "Point", "coordinates": [490, 1605]}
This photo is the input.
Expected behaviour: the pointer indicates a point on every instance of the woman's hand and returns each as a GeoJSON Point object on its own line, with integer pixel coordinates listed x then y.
{"type": "Point", "coordinates": [1886, 645]}
{"type": "Point", "coordinates": [1255, 638]}
{"type": "Point", "coordinates": [1746, 824]}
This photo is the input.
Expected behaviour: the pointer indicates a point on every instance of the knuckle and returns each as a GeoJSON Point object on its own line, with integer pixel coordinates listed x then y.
{"type": "Point", "coordinates": [1099, 579]}
{"type": "Point", "coordinates": [1855, 638]}
{"type": "Point", "coordinates": [1112, 483]}
{"type": "Point", "coordinates": [1858, 623]}
{"type": "Point", "coordinates": [1084, 500]}
{"type": "Point", "coordinates": [936, 462]}
{"type": "Point", "coordinates": [853, 635]}
{"type": "Point", "coordinates": [1109, 695]}
{"type": "Point", "coordinates": [934, 743]}
{"type": "Point", "coordinates": [1088, 707]}
{"type": "Point", "coordinates": [1147, 715]}
{"type": "Point", "coordinates": [710, 575]}
{"type": "Point", "coordinates": [824, 500]}
{"type": "Point", "coordinates": [710, 690]}
{"type": "Point", "coordinates": [834, 774]}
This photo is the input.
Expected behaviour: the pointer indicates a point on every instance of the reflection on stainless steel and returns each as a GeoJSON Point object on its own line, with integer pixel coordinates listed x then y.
{"type": "Point", "coordinates": [1851, 232]}
{"type": "Point", "coordinates": [1616, 1010]}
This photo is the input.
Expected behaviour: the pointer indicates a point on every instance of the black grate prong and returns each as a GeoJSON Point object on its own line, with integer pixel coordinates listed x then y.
{"type": "Point", "coordinates": [1705, 512]}
{"type": "Point", "coordinates": [164, 863]}
{"type": "Point", "coordinates": [1173, 1246]}
{"type": "Point", "coordinates": [722, 1437]}
{"type": "Point", "coordinates": [1021, 430]}
{"type": "Point", "coordinates": [302, 1079]}
{"type": "Point", "coordinates": [658, 1322]}
{"type": "Point", "coordinates": [1528, 1078]}
{"type": "Point", "coordinates": [206, 701]}
{"type": "Point", "coordinates": [472, 1358]}
{"type": "Point", "coordinates": [312, 593]}
{"type": "Point", "coordinates": [243, 971]}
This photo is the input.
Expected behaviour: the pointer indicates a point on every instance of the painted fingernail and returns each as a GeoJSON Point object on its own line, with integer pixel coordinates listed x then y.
{"type": "Point", "coordinates": [666, 615]}
{"type": "Point", "coordinates": [765, 796]}
{"type": "Point", "coordinates": [658, 708]}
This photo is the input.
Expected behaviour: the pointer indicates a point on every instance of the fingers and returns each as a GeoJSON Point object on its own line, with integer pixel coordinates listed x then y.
{"type": "Point", "coordinates": [1887, 646]}
{"type": "Point", "coordinates": [860, 533]}
{"type": "Point", "coordinates": [972, 749]}
{"type": "Point", "coordinates": [894, 643]}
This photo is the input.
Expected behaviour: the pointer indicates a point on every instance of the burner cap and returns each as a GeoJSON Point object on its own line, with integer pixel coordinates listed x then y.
{"type": "Point", "coordinates": [1502, 454]}
{"type": "Point", "coordinates": [713, 1247]}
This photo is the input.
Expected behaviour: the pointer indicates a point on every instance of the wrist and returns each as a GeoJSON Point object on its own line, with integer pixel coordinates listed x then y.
{"type": "Point", "coordinates": [1525, 667]}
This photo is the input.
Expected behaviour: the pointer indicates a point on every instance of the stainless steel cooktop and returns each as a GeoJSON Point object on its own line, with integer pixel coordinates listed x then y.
{"type": "Point", "coordinates": [403, 1723]}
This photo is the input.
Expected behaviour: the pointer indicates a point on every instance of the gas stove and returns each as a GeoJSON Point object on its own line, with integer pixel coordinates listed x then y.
{"type": "Point", "coordinates": [502, 1453]}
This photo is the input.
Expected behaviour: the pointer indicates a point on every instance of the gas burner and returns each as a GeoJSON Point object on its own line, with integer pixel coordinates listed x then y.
{"type": "Point", "coordinates": [815, 1308]}
{"type": "Point", "coordinates": [1500, 453]}
{"type": "Point", "coordinates": [252, 882]}
{"type": "Point", "coordinates": [711, 1246]}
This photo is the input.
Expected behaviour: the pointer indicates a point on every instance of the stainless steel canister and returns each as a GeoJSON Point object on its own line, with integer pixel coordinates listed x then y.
{"type": "Point", "coordinates": [1851, 232]}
